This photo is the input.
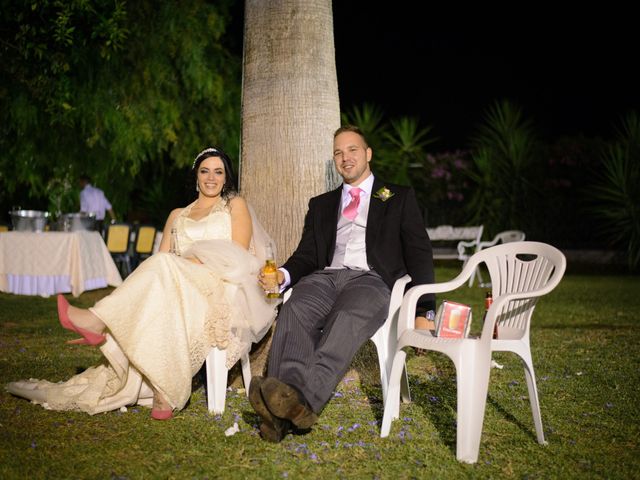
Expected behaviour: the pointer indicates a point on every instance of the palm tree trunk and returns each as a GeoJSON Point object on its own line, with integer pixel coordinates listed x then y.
{"type": "Point", "coordinates": [290, 109]}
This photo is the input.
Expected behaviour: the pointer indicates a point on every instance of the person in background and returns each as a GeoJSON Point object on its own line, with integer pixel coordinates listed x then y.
{"type": "Point", "coordinates": [356, 242]}
{"type": "Point", "coordinates": [92, 199]}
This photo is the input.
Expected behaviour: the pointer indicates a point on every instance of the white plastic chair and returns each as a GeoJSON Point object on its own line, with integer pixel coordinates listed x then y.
{"type": "Point", "coordinates": [521, 272]}
{"type": "Point", "coordinates": [507, 236]}
{"type": "Point", "coordinates": [385, 338]}
{"type": "Point", "coordinates": [217, 374]}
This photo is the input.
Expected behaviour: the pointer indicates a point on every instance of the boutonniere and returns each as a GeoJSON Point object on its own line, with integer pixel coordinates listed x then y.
{"type": "Point", "coordinates": [384, 194]}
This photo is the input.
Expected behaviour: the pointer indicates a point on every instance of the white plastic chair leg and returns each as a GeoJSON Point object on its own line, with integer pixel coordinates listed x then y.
{"type": "Point", "coordinates": [216, 380]}
{"type": "Point", "coordinates": [246, 371]}
{"type": "Point", "coordinates": [217, 375]}
{"type": "Point", "coordinates": [472, 389]}
{"type": "Point", "coordinates": [472, 277]}
{"type": "Point", "coordinates": [392, 403]}
{"type": "Point", "coordinates": [384, 353]}
{"type": "Point", "coordinates": [405, 393]}
{"type": "Point", "coordinates": [530, 377]}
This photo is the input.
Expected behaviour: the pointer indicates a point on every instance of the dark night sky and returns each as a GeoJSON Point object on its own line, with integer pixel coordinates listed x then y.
{"type": "Point", "coordinates": [570, 74]}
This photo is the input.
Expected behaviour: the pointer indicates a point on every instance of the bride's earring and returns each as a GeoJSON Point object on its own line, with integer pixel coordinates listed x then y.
{"type": "Point", "coordinates": [197, 187]}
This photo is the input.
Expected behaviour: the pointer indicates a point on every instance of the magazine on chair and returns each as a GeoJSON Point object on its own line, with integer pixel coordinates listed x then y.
{"type": "Point", "coordinates": [453, 320]}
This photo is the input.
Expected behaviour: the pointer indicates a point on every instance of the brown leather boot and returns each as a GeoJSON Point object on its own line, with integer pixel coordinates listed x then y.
{"type": "Point", "coordinates": [272, 428]}
{"type": "Point", "coordinates": [286, 402]}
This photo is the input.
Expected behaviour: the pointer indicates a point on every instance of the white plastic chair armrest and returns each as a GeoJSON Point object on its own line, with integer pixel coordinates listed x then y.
{"type": "Point", "coordinates": [398, 292]}
{"type": "Point", "coordinates": [463, 245]}
{"type": "Point", "coordinates": [407, 316]}
{"type": "Point", "coordinates": [466, 243]}
{"type": "Point", "coordinates": [488, 243]}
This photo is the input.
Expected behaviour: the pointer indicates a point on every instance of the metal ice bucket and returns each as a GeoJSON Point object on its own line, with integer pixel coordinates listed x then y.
{"type": "Point", "coordinates": [72, 222]}
{"type": "Point", "coordinates": [29, 220]}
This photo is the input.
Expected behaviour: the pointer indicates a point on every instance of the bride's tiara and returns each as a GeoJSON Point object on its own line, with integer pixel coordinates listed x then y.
{"type": "Point", "coordinates": [206, 150]}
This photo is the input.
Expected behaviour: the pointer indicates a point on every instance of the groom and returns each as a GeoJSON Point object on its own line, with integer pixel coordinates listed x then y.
{"type": "Point", "coordinates": [357, 241]}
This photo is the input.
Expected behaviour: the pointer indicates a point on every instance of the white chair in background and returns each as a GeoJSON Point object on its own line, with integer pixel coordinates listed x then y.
{"type": "Point", "coordinates": [507, 236]}
{"type": "Point", "coordinates": [521, 272]}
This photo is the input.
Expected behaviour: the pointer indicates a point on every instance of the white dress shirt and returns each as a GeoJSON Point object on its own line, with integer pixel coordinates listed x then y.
{"type": "Point", "coordinates": [92, 199]}
{"type": "Point", "coordinates": [353, 252]}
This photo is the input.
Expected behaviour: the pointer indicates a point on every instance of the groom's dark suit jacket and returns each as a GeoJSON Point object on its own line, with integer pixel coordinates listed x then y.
{"type": "Point", "coordinates": [397, 241]}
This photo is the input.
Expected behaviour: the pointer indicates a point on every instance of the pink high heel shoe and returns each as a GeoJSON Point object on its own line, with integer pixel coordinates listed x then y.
{"type": "Point", "coordinates": [161, 414]}
{"type": "Point", "coordinates": [157, 413]}
{"type": "Point", "coordinates": [88, 338]}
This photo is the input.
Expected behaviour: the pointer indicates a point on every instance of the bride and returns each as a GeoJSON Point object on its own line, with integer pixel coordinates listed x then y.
{"type": "Point", "coordinates": [158, 327]}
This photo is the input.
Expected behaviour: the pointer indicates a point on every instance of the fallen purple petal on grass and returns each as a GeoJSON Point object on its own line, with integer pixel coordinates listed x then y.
{"type": "Point", "coordinates": [354, 427]}
{"type": "Point", "coordinates": [34, 444]}
{"type": "Point", "coordinates": [338, 395]}
{"type": "Point", "coordinates": [302, 448]}
{"type": "Point", "coordinates": [513, 383]}
{"type": "Point", "coordinates": [340, 428]}
{"type": "Point", "coordinates": [433, 399]}
{"type": "Point", "coordinates": [313, 456]}
{"type": "Point", "coordinates": [373, 422]}
{"type": "Point", "coordinates": [407, 419]}
{"type": "Point", "coordinates": [22, 350]}
{"type": "Point", "coordinates": [608, 405]}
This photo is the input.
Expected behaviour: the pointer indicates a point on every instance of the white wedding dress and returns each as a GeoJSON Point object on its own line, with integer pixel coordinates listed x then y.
{"type": "Point", "coordinates": [165, 317]}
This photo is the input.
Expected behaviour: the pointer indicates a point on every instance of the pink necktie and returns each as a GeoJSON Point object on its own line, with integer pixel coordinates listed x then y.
{"type": "Point", "coordinates": [351, 210]}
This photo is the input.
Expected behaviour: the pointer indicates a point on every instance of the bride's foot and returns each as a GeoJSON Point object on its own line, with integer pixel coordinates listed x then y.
{"type": "Point", "coordinates": [161, 409]}
{"type": "Point", "coordinates": [80, 321]}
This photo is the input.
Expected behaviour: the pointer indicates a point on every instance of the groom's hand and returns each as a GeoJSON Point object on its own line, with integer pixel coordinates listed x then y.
{"type": "Point", "coordinates": [263, 281]}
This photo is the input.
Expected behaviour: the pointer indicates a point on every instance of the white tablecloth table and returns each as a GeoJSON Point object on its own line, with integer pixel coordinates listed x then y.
{"type": "Point", "coordinates": [47, 263]}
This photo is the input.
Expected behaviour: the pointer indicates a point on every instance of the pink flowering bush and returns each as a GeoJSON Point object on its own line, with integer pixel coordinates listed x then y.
{"type": "Point", "coordinates": [444, 188]}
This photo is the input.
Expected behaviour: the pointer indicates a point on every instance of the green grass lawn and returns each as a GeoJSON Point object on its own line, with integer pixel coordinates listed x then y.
{"type": "Point", "coordinates": [585, 341]}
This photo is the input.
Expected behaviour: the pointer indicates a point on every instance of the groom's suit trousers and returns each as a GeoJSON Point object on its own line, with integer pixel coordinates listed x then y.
{"type": "Point", "coordinates": [330, 315]}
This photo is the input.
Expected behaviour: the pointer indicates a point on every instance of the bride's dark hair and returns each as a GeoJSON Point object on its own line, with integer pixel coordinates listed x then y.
{"type": "Point", "coordinates": [229, 189]}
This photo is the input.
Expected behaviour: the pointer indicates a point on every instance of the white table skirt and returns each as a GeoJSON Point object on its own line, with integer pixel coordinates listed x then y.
{"type": "Point", "coordinates": [55, 262]}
